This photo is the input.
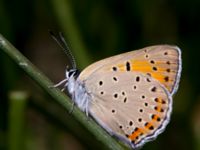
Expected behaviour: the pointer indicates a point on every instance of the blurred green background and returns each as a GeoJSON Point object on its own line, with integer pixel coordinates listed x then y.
{"type": "Point", "coordinates": [31, 120]}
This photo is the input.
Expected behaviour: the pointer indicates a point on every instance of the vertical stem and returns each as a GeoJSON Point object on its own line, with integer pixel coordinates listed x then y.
{"type": "Point", "coordinates": [67, 21]}
{"type": "Point", "coordinates": [16, 120]}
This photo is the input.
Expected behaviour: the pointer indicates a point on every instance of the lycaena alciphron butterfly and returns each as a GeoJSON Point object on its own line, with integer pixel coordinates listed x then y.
{"type": "Point", "coordinates": [129, 95]}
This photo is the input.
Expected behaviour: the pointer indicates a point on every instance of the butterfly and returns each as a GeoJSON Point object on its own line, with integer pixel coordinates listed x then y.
{"type": "Point", "coordinates": [130, 94]}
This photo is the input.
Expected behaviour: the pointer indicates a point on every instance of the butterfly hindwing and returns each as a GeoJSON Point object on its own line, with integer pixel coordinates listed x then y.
{"type": "Point", "coordinates": [133, 107]}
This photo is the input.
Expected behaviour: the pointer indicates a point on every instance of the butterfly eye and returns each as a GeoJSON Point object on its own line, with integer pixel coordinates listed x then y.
{"type": "Point", "coordinates": [72, 72]}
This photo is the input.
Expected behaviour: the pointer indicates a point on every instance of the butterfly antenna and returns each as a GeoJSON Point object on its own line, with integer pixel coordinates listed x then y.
{"type": "Point", "coordinates": [60, 40]}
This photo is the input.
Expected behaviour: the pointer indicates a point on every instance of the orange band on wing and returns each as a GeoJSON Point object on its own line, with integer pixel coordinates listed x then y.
{"type": "Point", "coordinates": [136, 134]}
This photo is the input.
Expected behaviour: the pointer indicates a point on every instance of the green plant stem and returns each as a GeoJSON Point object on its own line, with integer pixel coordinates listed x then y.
{"type": "Point", "coordinates": [57, 95]}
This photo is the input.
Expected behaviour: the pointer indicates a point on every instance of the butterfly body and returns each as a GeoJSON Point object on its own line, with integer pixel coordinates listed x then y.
{"type": "Point", "coordinates": [77, 91]}
{"type": "Point", "coordinates": [129, 95]}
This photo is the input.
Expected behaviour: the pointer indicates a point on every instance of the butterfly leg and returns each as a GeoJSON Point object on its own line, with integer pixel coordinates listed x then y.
{"type": "Point", "coordinates": [86, 109]}
{"type": "Point", "coordinates": [64, 87]}
{"type": "Point", "coordinates": [59, 84]}
{"type": "Point", "coordinates": [72, 108]}
{"type": "Point", "coordinates": [73, 102]}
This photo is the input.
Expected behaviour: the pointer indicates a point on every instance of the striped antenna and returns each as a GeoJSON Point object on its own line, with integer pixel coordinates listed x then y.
{"type": "Point", "coordinates": [59, 38]}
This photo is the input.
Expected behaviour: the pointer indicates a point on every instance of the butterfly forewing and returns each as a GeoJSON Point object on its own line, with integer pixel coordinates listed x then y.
{"type": "Point", "coordinates": [162, 62]}
{"type": "Point", "coordinates": [133, 107]}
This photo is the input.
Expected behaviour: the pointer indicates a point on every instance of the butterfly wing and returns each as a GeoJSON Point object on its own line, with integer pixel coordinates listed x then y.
{"type": "Point", "coordinates": [162, 62]}
{"type": "Point", "coordinates": [133, 107]}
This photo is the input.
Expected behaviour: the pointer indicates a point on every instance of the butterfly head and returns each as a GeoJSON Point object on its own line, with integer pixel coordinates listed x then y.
{"type": "Point", "coordinates": [71, 73]}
